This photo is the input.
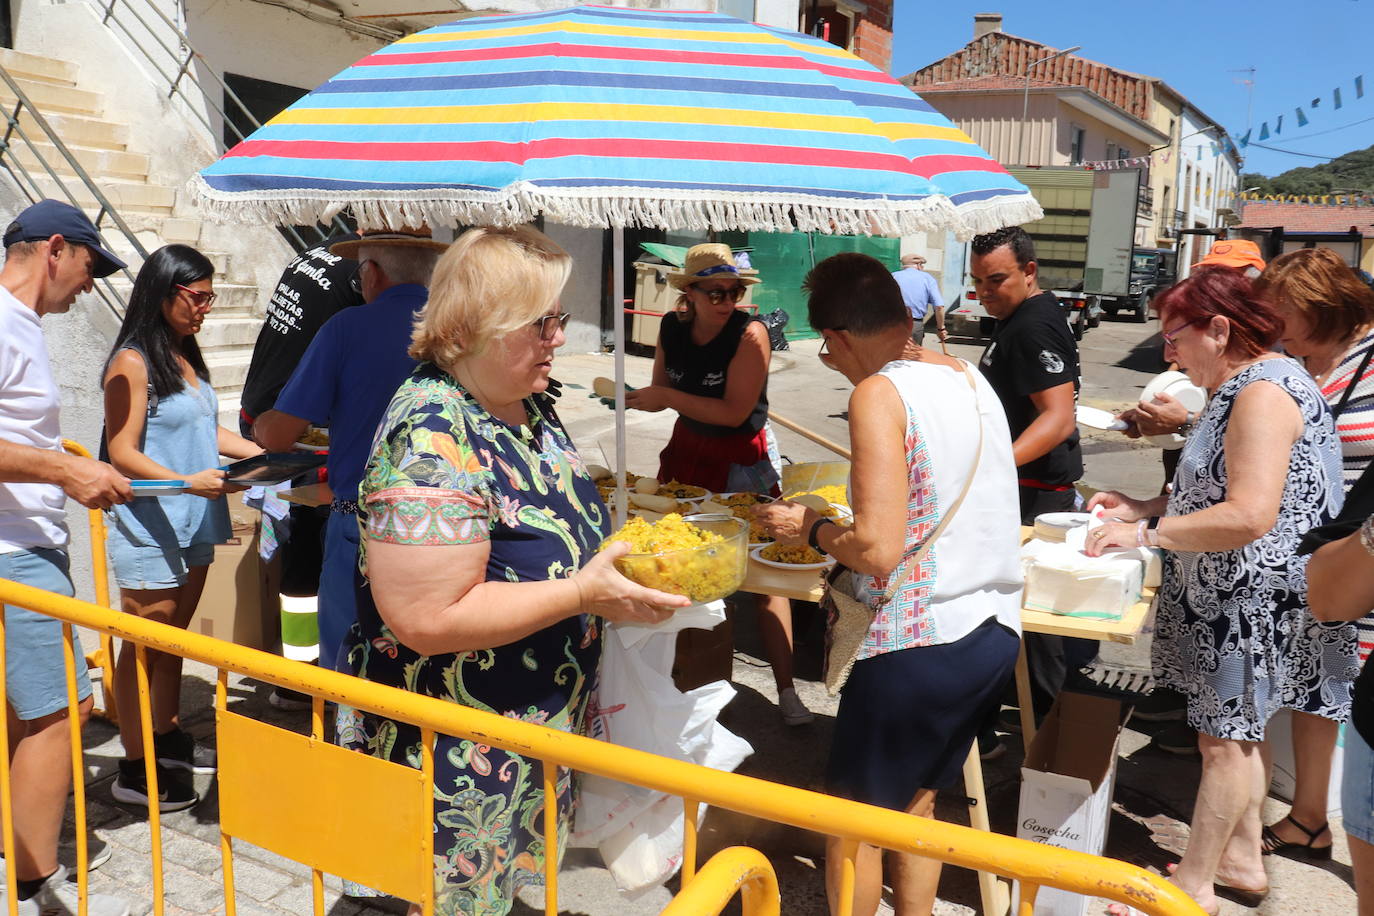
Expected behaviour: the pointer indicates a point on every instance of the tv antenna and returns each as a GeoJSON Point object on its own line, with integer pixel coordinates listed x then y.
{"type": "Point", "coordinates": [1249, 84]}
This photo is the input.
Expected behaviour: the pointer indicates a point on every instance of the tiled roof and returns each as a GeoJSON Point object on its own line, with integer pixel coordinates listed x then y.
{"type": "Point", "coordinates": [1307, 217]}
{"type": "Point", "coordinates": [987, 82]}
{"type": "Point", "coordinates": [1005, 58]}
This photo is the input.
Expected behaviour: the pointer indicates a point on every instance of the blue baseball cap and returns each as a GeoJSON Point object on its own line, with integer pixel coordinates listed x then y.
{"type": "Point", "coordinates": [47, 218]}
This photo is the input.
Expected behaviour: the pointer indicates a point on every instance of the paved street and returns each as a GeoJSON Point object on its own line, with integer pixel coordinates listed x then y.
{"type": "Point", "coordinates": [1153, 794]}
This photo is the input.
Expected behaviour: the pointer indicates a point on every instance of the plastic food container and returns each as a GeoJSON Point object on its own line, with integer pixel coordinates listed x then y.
{"type": "Point", "coordinates": [703, 573]}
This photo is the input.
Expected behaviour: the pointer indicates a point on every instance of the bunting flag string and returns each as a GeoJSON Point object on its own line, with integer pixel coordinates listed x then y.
{"type": "Point", "coordinates": [1301, 116]}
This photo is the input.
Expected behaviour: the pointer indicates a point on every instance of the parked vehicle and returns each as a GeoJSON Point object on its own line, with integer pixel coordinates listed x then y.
{"type": "Point", "coordinates": [1152, 270]}
{"type": "Point", "coordinates": [1084, 246]}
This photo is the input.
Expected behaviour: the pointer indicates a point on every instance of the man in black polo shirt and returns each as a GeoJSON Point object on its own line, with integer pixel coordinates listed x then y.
{"type": "Point", "coordinates": [1032, 364]}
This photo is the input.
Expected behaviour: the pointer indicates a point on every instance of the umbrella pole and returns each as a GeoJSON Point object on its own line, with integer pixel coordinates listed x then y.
{"type": "Point", "coordinates": [618, 323]}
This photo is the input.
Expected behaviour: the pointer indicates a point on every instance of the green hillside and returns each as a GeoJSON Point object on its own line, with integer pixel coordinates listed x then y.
{"type": "Point", "coordinates": [1352, 173]}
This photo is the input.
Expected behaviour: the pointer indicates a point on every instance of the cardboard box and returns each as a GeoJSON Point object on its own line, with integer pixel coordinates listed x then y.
{"type": "Point", "coordinates": [240, 603]}
{"type": "Point", "coordinates": [704, 656]}
{"type": "Point", "coordinates": [1066, 785]}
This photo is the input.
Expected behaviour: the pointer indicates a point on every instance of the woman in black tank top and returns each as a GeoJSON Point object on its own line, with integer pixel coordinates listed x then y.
{"type": "Point", "coordinates": [711, 366]}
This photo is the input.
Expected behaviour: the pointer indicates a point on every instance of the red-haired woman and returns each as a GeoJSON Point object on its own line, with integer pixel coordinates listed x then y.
{"type": "Point", "coordinates": [1233, 631]}
{"type": "Point", "coordinates": [1328, 326]}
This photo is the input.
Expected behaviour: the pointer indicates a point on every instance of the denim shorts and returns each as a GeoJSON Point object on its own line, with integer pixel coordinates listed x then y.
{"type": "Point", "coordinates": [35, 674]}
{"type": "Point", "coordinates": [137, 566]}
{"type": "Point", "coordinates": [1357, 787]}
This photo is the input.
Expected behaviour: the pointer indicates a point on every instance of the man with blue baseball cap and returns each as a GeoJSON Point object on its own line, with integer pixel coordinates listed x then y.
{"type": "Point", "coordinates": [52, 253]}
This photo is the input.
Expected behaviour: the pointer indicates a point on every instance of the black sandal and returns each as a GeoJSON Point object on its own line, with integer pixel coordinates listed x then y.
{"type": "Point", "coordinates": [1271, 843]}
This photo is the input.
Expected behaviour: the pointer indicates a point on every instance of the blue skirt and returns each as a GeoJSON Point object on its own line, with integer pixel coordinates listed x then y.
{"type": "Point", "coordinates": [908, 718]}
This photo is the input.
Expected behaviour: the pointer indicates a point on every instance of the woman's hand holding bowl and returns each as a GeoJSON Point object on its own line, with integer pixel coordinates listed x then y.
{"type": "Point", "coordinates": [605, 592]}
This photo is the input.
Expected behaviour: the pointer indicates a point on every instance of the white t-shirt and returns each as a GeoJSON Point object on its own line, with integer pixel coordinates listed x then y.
{"type": "Point", "coordinates": [31, 514]}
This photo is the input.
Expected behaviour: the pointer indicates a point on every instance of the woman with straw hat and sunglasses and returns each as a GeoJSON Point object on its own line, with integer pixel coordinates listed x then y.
{"type": "Point", "coordinates": [711, 366]}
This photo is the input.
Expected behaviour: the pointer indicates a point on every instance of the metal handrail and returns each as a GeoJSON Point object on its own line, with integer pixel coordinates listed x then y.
{"type": "Point", "coordinates": [34, 192]}
{"type": "Point", "coordinates": [182, 57]}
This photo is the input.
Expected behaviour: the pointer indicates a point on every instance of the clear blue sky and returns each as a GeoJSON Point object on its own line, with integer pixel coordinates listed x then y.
{"type": "Point", "coordinates": [1301, 51]}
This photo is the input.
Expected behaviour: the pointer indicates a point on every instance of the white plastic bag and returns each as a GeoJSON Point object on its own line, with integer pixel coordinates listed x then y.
{"type": "Point", "coordinates": [637, 830]}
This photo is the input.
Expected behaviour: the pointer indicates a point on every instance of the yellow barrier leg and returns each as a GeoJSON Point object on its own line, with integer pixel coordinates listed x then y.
{"type": "Point", "coordinates": [995, 896]}
{"type": "Point", "coordinates": [689, 838]}
{"type": "Point", "coordinates": [6, 787]}
{"type": "Point", "coordinates": [427, 742]}
{"type": "Point", "coordinates": [1028, 893]}
{"type": "Point", "coordinates": [550, 837]}
{"type": "Point", "coordinates": [226, 842]}
{"type": "Point", "coordinates": [145, 723]}
{"type": "Point", "coordinates": [849, 854]}
{"type": "Point", "coordinates": [78, 770]}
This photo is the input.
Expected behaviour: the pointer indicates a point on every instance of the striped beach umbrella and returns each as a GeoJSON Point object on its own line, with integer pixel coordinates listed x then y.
{"type": "Point", "coordinates": [602, 116]}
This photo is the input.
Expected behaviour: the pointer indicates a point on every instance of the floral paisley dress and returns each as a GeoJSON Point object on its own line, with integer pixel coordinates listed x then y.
{"type": "Point", "coordinates": [445, 472]}
{"type": "Point", "coordinates": [1233, 632]}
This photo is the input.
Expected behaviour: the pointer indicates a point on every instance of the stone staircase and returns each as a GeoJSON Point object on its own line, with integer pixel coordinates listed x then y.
{"type": "Point", "coordinates": [103, 149]}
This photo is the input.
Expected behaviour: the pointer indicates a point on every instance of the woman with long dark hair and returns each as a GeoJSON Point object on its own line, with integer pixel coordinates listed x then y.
{"type": "Point", "coordinates": [161, 423]}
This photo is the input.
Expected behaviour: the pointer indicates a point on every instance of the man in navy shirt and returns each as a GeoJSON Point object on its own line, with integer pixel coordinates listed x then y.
{"type": "Point", "coordinates": [921, 294]}
{"type": "Point", "coordinates": [345, 382]}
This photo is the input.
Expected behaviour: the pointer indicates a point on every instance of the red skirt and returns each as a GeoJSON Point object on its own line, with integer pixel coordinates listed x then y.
{"type": "Point", "coordinates": [721, 464]}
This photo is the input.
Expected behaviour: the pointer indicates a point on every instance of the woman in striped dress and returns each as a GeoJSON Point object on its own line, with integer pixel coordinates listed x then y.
{"type": "Point", "coordinates": [1328, 314]}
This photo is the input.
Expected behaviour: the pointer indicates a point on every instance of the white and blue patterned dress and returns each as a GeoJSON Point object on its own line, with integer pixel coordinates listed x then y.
{"type": "Point", "coordinates": [1233, 631]}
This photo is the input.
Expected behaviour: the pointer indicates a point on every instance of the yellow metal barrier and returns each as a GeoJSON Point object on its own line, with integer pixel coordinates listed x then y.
{"type": "Point", "coordinates": [1033, 864]}
{"type": "Point", "coordinates": [737, 869]}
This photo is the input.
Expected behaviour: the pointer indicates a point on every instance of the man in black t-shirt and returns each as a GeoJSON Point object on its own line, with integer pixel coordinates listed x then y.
{"type": "Point", "coordinates": [1032, 364]}
{"type": "Point", "coordinates": [314, 286]}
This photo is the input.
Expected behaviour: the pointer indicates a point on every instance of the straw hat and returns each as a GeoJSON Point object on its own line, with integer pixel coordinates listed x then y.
{"type": "Point", "coordinates": [706, 261]}
{"type": "Point", "coordinates": [406, 237]}
{"type": "Point", "coordinates": [1240, 253]}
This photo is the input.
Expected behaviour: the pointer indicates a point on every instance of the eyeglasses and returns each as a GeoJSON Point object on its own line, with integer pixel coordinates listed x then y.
{"type": "Point", "coordinates": [1169, 334]}
{"type": "Point", "coordinates": [355, 279]}
{"type": "Point", "coordinates": [550, 325]}
{"type": "Point", "coordinates": [824, 351]}
{"type": "Point", "coordinates": [201, 299]}
{"type": "Point", "coordinates": [717, 296]}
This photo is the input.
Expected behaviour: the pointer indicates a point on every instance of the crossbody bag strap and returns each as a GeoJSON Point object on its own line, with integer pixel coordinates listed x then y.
{"type": "Point", "coordinates": [904, 568]}
{"type": "Point", "coordinates": [1354, 380]}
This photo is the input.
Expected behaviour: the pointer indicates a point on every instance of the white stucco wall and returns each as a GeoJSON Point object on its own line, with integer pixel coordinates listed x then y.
{"type": "Point", "coordinates": [1194, 173]}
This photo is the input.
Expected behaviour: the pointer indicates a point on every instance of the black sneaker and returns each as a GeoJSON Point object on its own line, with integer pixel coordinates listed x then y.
{"type": "Point", "coordinates": [131, 787]}
{"type": "Point", "coordinates": [177, 749]}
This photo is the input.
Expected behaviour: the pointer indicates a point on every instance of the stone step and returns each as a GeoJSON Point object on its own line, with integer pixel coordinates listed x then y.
{"type": "Point", "coordinates": [228, 334]}
{"type": "Point", "coordinates": [178, 229]}
{"type": "Point", "coordinates": [36, 67]}
{"type": "Point", "coordinates": [54, 97]}
{"type": "Point", "coordinates": [80, 130]}
{"type": "Point", "coordinates": [98, 163]}
{"type": "Point", "coordinates": [229, 367]}
{"type": "Point", "coordinates": [123, 195]}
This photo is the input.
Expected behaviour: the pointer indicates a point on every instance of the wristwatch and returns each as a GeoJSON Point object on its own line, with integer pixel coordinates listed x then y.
{"type": "Point", "coordinates": [1189, 421]}
{"type": "Point", "coordinates": [811, 540]}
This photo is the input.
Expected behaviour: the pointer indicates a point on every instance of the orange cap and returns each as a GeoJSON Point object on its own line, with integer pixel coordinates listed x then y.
{"type": "Point", "coordinates": [1238, 253]}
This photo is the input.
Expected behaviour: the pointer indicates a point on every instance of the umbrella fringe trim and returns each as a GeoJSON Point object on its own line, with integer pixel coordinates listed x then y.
{"type": "Point", "coordinates": [608, 207]}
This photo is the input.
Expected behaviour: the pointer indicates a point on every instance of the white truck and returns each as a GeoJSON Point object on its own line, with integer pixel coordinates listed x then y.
{"type": "Point", "coordinates": [1083, 245]}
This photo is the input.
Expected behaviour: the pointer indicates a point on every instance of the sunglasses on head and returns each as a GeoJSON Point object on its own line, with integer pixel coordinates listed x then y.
{"type": "Point", "coordinates": [717, 296]}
